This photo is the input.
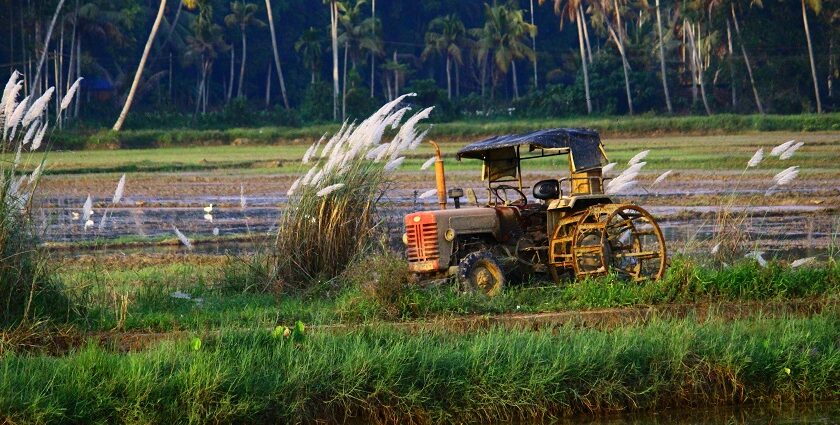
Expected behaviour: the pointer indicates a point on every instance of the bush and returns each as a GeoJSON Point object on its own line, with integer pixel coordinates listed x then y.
{"type": "Point", "coordinates": [382, 278]}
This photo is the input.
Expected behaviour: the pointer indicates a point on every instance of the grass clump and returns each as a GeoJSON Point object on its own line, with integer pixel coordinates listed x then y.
{"type": "Point", "coordinates": [332, 216]}
{"type": "Point", "coordinates": [381, 375]}
{"type": "Point", "coordinates": [27, 288]}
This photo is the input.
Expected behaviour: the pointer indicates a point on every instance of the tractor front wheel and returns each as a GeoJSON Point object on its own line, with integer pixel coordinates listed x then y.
{"type": "Point", "coordinates": [482, 272]}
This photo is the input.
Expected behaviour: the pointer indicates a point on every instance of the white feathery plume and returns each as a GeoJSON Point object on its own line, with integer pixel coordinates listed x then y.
{"type": "Point", "coordinates": [394, 164]}
{"type": "Point", "coordinates": [786, 176]}
{"type": "Point", "coordinates": [36, 173]}
{"type": "Point", "coordinates": [65, 102]}
{"type": "Point", "coordinates": [14, 119]}
{"type": "Point", "coordinates": [639, 156]}
{"type": "Point", "coordinates": [756, 158]}
{"type": "Point", "coordinates": [87, 208]}
{"type": "Point", "coordinates": [17, 154]}
{"type": "Point", "coordinates": [119, 192]}
{"type": "Point", "coordinates": [36, 142]}
{"type": "Point", "coordinates": [757, 256]}
{"type": "Point", "coordinates": [31, 132]}
{"type": "Point", "coordinates": [419, 139]}
{"type": "Point", "coordinates": [8, 91]}
{"type": "Point", "coordinates": [802, 261]}
{"type": "Point", "coordinates": [428, 163]}
{"type": "Point", "coordinates": [334, 139]}
{"type": "Point", "coordinates": [312, 149]}
{"type": "Point", "coordinates": [661, 177]}
{"type": "Point", "coordinates": [316, 179]}
{"type": "Point", "coordinates": [621, 187]}
{"type": "Point", "coordinates": [38, 106]}
{"type": "Point", "coordinates": [183, 238]}
{"type": "Point", "coordinates": [781, 148]}
{"type": "Point", "coordinates": [10, 102]}
{"type": "Point", "coordinates": [607, 168]}
{"type": "Point", "coordinates": [294, 187]}
{"type": "Point", "coordinates": [374, 153]}
{"type": "Point", "coordinates": [627, 175]}
{"type": "Point", "coordinates": [329, 189]}
{"type": "Point", "coordinates": [308, 176]}
{"type": "Point", "coordinates": [242, 202]}
{"type": "Point", "coordinates": [716, 248]}
{"type": "Point", "coordinates": [428, 194]}
{"type": "Point", "coordinates": [788, 153]}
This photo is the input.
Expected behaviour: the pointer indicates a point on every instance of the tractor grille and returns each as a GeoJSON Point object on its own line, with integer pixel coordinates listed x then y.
{"type": "Point", "coordinates": [422, 241]}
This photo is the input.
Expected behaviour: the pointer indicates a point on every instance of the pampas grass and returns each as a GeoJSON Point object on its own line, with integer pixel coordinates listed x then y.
{"type": "Point", "coordinates": [428, 194]}
{"type": "Point", "coordinates": [786, 176]}
{"type": "Point", "coordinates": [638, 157]}
{"type": "Point", "coordinates": [781, 148]}
{"type": "Point", "coordinates": [788, 153]}
{"type": "Point", "coordinates": [802, 261]}
{"type": "Point", "coordinates": [756, 158]}
{"type": "Point", "coordinates": [68, 98]}
{"type": "Point", "coordinates": [607, 168]}
{"type": "Point", "coordinates": [661, 177]}
{"type": "Point", "coordinates": [38, 107]}
{"type": "Point", "coordinates": [183, 238]}
{"type": "Point", "coordinates": [332, 213]}
{"type": "Point", "coordinates": [428, 163]}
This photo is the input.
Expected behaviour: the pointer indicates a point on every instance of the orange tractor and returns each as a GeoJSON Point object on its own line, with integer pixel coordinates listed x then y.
{"type": "Point", "coordinates": [569, 229]}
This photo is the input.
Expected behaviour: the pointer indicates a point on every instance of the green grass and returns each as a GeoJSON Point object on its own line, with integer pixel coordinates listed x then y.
{"type": "Point", "coordinates": [607, 125]}
{"type": "Point", "coordinates": [145, 293]}
{"type": "Point", "coordinates": [383, 375]}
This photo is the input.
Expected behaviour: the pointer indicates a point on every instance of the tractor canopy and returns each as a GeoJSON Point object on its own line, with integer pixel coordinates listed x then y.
{"type": "Point", "coordinates": [583, 146]}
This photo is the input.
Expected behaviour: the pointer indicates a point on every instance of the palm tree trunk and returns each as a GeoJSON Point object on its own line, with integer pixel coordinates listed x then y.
{"type": "Point", "coordinates": [276, 54]}
{"type": "Point", "coordinates": [242, 65]}
{"type": "Point", "coordinates": [344, 86]}
{"type": "Point", "coordinates": [137, 75]}
{"type": "Point", "coordinates": [457, 81]}
{"type": "Point", "coordinates": [448, 78]}
{"type": "Point", "coordinates": [78, 99]}
{"type": "Point", "coordinates": [583, 65]}
{"type": "Point", "coordinates": [515, 84]}
{"type": "Point", "coordinates": [585, 33]}
{"type": "Point", "coordinates": [534, 46]}
{"type": "Point", "coordinates": [46, 48]}
{"type": "Point", "coordinates": [396, 77]}
{"type": "Point", "coordinates": [268, 87]}
{"type": "Point", "coordinates": [174, 23]}
{"type": "Point", "coordinates": [334, 35]}
{"type": "Point", "coordinates": [229, 92]}
{"type": "Point", "coordinates": [372, 55]}
{"type": "Point", "coordinates": [746, 61]}
{"type": "Point", "coordinates": [624, 66]}
{"type": "Point", "coordinates": [698, 65]}
{"type": "Point", "coordinates": [662, 60]}
{"type": "Point", "coordinates": [811, 57]}
{"type": "Point", "coordinates": [731, 63]}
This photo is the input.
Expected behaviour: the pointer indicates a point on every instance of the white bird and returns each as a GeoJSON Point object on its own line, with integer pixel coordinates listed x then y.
{"type": "Point", "coordinates": [208, 209]}
{"type": "Point", "coordinates": [75, 215]}
{"type": "Point", "coordinates": [208, 217]}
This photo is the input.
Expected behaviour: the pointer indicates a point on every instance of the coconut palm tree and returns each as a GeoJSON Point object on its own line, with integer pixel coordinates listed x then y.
{"type": "Point", "coordinates": [203, 47]}
{"type": "Point", "coordinates": [335, 5]}
{"type": "Point", "coordinates": [816, 7]}
{"type": "Point", "coordinates": [357, 36]}
{"type": "Point", "coordinates": [662, 59]}
{"type": "Point", "coordinates": [609, 14]}
{"type": "Point", "coordinates": [446, 37]}
{"type": "Point", "coordinates": [139, 73]}
{"type": "Point", "coordinates": [243, 15]}
{"type": "Point", "coordinates": [276, 54]}
{"type": "Point", "coordinates": [746, 58]}
{"type": "Point", "coordinates": [501, 40]}
{"type": "Point", "coordinates": [572, 10]}
{"type": "Point", "coordinates": [310, 47]}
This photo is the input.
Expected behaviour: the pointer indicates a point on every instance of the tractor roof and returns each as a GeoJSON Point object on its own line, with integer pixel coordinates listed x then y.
{"type": "Point", "coordinates": [583, 144]}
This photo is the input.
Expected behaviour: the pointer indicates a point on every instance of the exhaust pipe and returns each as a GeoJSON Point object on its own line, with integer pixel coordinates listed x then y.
{"type": "Point", "coordinates": [440, 178]}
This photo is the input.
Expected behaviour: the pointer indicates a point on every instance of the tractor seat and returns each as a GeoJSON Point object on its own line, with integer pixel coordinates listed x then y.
{"type": "Point", "coordinates": [547, 189]}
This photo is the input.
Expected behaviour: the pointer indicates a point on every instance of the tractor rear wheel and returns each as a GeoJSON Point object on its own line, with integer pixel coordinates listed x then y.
{"type": "Point", "coordinates": [482, 272]}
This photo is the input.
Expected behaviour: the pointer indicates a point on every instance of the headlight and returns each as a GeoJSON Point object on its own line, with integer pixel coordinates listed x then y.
{"type": "Point", "coordinates": [449, 235]}
{"type": "Point", "coordinates": [405, 238]}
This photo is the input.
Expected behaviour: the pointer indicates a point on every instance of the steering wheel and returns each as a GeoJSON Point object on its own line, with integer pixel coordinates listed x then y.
{"type": "Point", "coordinates": [501, 192]}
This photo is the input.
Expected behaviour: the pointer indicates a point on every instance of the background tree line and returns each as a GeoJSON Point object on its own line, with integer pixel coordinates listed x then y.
{"type": "Point", "coordinates": [217, 62]}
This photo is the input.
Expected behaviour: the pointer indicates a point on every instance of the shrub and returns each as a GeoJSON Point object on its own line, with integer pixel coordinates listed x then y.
{"type": "Point", "coordinates": [382, 278]}
{"type": "Point", "coordinates": [332, 214]}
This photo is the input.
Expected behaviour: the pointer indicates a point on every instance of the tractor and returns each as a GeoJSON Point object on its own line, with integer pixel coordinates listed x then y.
{"type": "Point", "coordinates": [568, 229]}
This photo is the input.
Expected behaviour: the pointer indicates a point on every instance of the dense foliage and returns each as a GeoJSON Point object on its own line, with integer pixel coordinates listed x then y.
{"type": "Point", "coordinates": [215, 57]}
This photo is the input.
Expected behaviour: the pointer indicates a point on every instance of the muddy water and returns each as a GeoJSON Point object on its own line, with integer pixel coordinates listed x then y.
{"type": "Point", "coordinates": [800, 413]}
{"type": "Point", "coordinates": [786, 230]}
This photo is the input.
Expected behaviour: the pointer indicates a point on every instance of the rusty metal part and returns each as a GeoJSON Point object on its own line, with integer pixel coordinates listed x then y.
{"type": "Point", "coordinates": [440, 177]}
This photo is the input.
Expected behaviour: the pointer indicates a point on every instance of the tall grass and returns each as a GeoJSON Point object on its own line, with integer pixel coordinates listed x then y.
{"type": "Point", "coordinates": [387, 376]}
{"type": "Point", "coordinates": [332, 213]}
{"type": "Point", "coordinates": [26, 287]}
